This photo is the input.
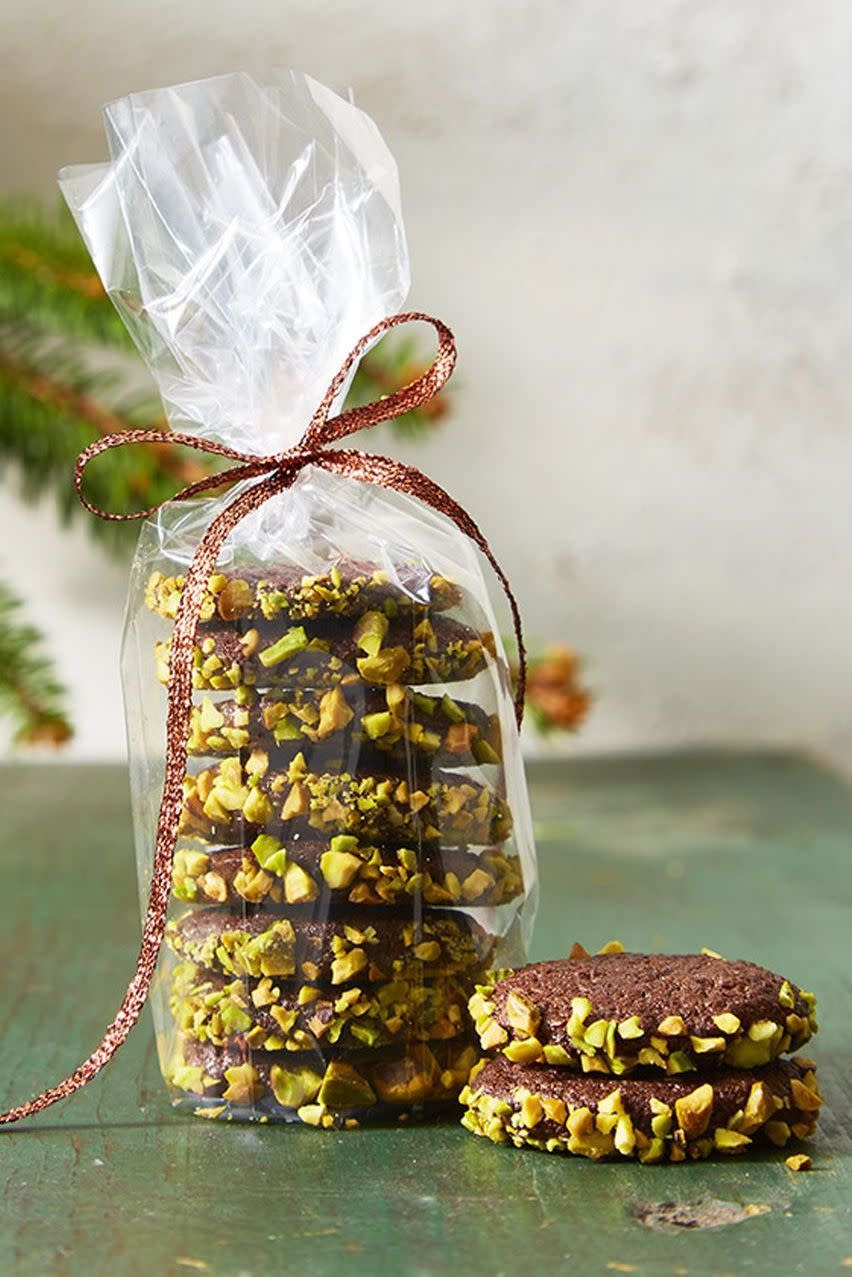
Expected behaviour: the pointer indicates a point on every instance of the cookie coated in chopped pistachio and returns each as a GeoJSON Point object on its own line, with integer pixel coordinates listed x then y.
{"type": "Point", "coordinates": [612, 1012]}
{"type": "Point", "coordinates": [314, 1089]}
{"type": "Point", "coordinates": [346, 588]}
{"type": "Point", "coordinates": [301, 871]}
{"type": "Point", "coordinates": [356, 722]}
{"type": "Point", "coordinates": [333, 952]}
{"type": "Point", "coordinates": [652, 1119]}
{"type": "Point", "coordinates": [450, 809]}
{"type": "Point", "coordinates": [269, 1014]}
{"type": "Point", "coordinates": [322, 655]}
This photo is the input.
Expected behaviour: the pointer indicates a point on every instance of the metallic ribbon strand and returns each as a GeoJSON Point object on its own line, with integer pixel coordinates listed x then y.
{"type": "Point", "coordinates": [280, 472]}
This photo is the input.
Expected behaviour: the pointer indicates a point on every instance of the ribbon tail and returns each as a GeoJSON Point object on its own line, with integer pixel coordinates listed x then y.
{"type": "Point", "coordinates": [179, 707]}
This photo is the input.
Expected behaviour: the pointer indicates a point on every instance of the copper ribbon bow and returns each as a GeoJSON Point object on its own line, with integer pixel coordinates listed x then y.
{"type": "Point", "coordinates": [280, 472]}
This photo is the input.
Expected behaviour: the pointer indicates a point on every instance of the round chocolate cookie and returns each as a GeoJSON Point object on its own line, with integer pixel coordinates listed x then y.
{"type": "Point", "coordinates": [314, 1089]}
{"type": "Point", "coordinates": [650, 1118]}
{"type": "Point", "coordinates": [221, 801]}
{"type": "Point", "coordinates": [334, 952]}
{"type": "Point", "coordinates": [347, 588]}
{"type": "Point", "coordinates": [611, 1012]}
{"type": "Point", "coordinates": [272, 1015]}
{"type": "Point", "coordinates": [363, 728]}
{"type": "Point", "coordinates": [335, 653]}
{"type": "Point", "coordinates": [300, 871]}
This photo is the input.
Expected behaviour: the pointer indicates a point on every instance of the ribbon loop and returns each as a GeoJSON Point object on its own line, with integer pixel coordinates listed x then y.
{"type": "Point", "coordinates": [278, 472]}
{"type": "Point", "coordinates": [323, 431]}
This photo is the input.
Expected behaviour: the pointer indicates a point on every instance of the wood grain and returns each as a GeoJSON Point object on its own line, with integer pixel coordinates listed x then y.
{"type": "Point", "coordinates": [745, 853]}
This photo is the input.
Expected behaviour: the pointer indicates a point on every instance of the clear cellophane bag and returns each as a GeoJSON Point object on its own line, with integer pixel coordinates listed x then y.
{"type": "Point", "coordinates": [355, 845]}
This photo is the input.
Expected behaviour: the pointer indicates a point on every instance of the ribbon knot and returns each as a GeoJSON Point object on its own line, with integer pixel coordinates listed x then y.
{"type": "Point", "coordinates": [275, 474]}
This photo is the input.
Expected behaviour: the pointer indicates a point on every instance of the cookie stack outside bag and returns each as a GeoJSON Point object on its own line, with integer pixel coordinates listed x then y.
{"type": "Point", "coordinates": [649, 1056]}
{"type": "Point", "coordinates": [345, 867]}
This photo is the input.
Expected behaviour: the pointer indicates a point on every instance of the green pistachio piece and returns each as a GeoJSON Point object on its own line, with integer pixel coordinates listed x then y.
{"type": "Point", "coordinates": [595, 1034]}
{"type": "Point", "coordinates": [295, 640]}
{"type": "Point", "coordinates": [745, 1054]}
{"type": "Point", "coordinates": [264, 848]}
{"type": "Point", "coordinates": [343, 1088]}
{"type": "Point", "coordinates": [377, 725]}
{"type": "Point", "coordinates": [339, 868]}
{"type": "Point", "coordinates": [630, 1028]}
{"type": "Point", "coordinates": [526, 1052]}
{"type": "Point", "coordinates": [294, 1087]}
{"type": "Point", "coordinates": [786, 996]}
{"type": "Point", "coordinates": [387, 666]}
{"type": "Point", "coordinates": [209, 717]}
{"type": "Point", "coordinates": [522, 1014]}
{"type": "Point", "coordinates": [730, 1141]}
{"type": "Point", "coordinates": [483, 752]}
{"type": "Point", "coordinates": [451, 710]}
{"type": "Point", "coordinates": [366, 1033]}
{"type": "Point", "coordinates": [344, 842]}
{"type": "Point", "coordinates": [272, 952]}
{"type": "Point", "coordinates": [299, 886]}
{"type": "Point", "coordinates": [654, 1152]}
{"type": "Point", "coordinates": [287, 728]}
{"type": "Point", "coordinates": [234, 1018]}
{"type": "Point", "coordinates": [189, 1077]}
{"type": "Point", "coordinates": [762, 1030]}
{"type": "Point", "coordinates": [348, 965]}
{"type": "Point", "coordinates": [556, 1054]}
{"type": "Point", "coordinates": [370, 632]}
{"type": "Point", "coordinates": [257, 808]}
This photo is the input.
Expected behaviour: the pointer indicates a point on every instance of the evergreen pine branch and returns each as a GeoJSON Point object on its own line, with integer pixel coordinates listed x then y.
{"type": "Point", "coordinates": [30, 694]}
{"type": "Point", "coordinates": [48, 280]}
{"type": "Point", "coordinates": [51, 407]}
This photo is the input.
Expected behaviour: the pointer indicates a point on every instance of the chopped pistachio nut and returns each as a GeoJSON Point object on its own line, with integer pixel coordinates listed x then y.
{"type": "Point", "coordinates": [523, 1015]}
{"type": "Point", "coordinates": [672, 1026]}
{"type": "Point", "coordinates": [727, 1141]}
{"type": "Point", "coordinates": [693, 1111]}
{"type": "Point", "coordinates": [727, 1022]}
{"type": "Point", "coordinates": [631, 1028]}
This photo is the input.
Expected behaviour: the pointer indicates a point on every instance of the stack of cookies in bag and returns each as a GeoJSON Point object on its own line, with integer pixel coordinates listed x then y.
{"type": "Point", "coordinates": [343, 834]}
{"type": "Point", "coordinates": [650, 1056]}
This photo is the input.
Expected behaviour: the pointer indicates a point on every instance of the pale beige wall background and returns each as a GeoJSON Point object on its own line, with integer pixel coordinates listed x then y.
{"type": "Point", "coordinates": [638, 220]}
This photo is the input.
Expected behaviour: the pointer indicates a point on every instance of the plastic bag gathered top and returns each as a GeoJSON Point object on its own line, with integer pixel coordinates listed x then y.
{"type": "Point", "coordinates": [355, 846]}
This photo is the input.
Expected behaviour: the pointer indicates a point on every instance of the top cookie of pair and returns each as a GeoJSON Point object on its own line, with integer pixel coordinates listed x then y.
{"type": "Point", "coordinates": [349, 587]}
{"type": "Point", "coordinates": [612, 1012]}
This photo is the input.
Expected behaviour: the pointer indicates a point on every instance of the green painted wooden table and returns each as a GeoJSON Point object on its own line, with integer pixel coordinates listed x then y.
{"type": "Point", "coordinates": [748, 853]}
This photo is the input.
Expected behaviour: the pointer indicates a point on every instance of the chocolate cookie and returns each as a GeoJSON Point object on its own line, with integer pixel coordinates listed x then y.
{"type": "Point", "coordinates": [300, 871]}
{"type": "Point", "coordinates": [653, 1119]}
{"type": "Point", "coordinates": [272, 1015]}
{"type": "Point", "coordinates": [318, 1091]}
{"type": "Point", "coordinates": [222, 800]}
{"type": "Point", "coordinates": [612, 1012]}
{"type": "Point", "coordinates": [356, 724]}
{"type": "Point", "coordinates": [336, 653]}
{"type": "Point", "coordinates": [348, 588]}
{"type": "Point", "coordinates": [333, 952]}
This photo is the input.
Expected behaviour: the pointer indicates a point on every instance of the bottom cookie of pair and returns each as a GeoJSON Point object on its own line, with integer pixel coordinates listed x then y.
{"type": "Point", "coordinates": [231, 1083]}
{"type": "Point", "coordinates": [649, 1118]}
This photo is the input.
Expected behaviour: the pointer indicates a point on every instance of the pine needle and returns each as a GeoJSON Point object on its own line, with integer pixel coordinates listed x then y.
{"type": "Point", "coordinates": [30, 694]}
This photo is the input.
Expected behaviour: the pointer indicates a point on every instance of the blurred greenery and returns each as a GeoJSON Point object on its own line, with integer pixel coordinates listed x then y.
{"type": "Point", "coordinates": [69, 375]}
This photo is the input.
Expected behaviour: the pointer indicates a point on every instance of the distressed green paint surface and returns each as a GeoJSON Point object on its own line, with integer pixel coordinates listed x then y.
{"type": "Point", "coordinates": [749, 854]}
